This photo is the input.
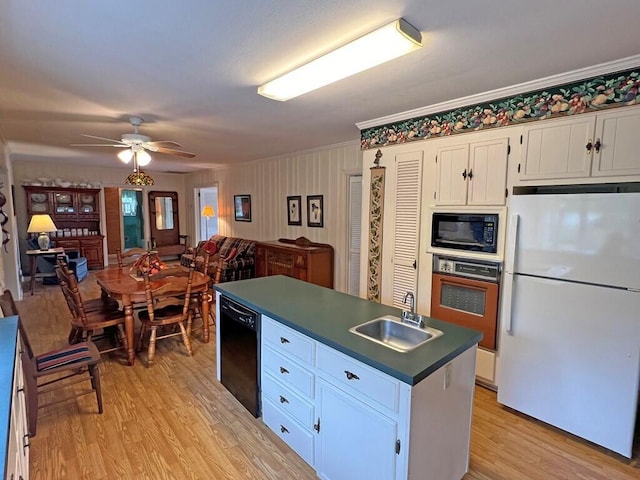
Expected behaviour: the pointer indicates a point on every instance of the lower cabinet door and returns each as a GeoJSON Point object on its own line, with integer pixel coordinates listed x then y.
{"type": "Point", "coordinates": [354, 440]}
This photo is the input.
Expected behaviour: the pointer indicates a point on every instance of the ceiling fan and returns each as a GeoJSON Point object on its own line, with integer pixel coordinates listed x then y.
{"type": "Point", "coordinates": [137, 143]}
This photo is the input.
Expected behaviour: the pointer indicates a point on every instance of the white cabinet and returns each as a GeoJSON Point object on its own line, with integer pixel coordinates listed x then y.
{"type": "Point", "coordinates": [288, 386]}
{"type": "Point", "coordinates": [597, 145]}
{"type": "Point", "coordinates": [349, 420]}
{"type": "Point", "coordinates": [472, 173]}
{"type": "Point", "coordinates": [18, 440]}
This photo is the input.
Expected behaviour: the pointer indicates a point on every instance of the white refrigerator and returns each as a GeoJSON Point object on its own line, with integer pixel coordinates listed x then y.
{"type": "Point", "coordinates": [569, 350]}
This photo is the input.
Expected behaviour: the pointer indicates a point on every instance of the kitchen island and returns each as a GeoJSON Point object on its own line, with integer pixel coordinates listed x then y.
{"type": "Point", "coordinates": [350, 407]}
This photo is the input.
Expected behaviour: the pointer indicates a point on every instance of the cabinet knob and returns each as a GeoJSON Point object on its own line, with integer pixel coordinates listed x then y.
{"type": "Point", "coordinates": [351, 376]}
{"type": "Point", "coordinates": [589, 146]}
{"type": "Point", "coordinates": [316, 426]}
{"type": "Point", "coordinates": [597, 145]}
{"type": "Point", "coordinates": [464, 174]}
{"type": "Point", "coordinates": [470, 174]}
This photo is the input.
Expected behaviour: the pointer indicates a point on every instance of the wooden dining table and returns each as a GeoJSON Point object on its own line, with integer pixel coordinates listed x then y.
{"type": "Point", "coordinates": [120, 285]}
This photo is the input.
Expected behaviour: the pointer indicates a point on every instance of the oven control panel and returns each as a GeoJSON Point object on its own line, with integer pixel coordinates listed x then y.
{"type": "Point", "coordinates": [488, 271]}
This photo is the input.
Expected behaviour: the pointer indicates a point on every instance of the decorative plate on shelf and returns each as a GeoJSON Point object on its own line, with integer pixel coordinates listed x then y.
{"type": "Point", "coordinates": [39, 197]}
{"type": "Point", "coordinates": [86, 198]}
{"type": "Point", "coordinates": [63, 198]}
{"type": "Point", "coordinates": [87, 209]}
{"type": "Point", "coordinates": [39, 207]}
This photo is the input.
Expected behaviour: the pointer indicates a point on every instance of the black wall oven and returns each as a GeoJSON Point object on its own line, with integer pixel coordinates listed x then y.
{"type": "Point", "coordinates": [239, 353]}
{"type": "Point", "coordinates": [476, 232]}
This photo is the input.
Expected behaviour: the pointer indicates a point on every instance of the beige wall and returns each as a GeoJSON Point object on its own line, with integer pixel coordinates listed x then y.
{"type": "Point", "coordinates": [323, 171]}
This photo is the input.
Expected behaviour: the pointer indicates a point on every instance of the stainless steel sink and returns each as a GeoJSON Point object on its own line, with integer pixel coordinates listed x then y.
{"type": "Point", "coordinates": [392, 333]}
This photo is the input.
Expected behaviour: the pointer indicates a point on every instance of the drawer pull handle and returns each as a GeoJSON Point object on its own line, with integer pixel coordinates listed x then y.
{"type": "Point", "coordinates": [283, 400]}
{"type": "Point", "coordinates": [283, 429]}
{"type": "Point", "coordinates": [283, 370]}
{"type": "Point", "coordinates": [351, 376]}
{"type": "Point", "coordinates": [284, 340]}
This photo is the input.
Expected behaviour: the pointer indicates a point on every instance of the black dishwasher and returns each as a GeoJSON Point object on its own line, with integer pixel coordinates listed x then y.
{"type": "Point", "coordinates": [240, 353]}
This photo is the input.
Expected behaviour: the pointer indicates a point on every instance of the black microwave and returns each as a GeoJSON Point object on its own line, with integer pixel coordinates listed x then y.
{"type": "Point", "coordinates": [477, 232]}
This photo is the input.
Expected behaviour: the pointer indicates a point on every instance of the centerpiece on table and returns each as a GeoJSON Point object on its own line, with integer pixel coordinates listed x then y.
{"type": "Point", "coordinates": [147, 263]}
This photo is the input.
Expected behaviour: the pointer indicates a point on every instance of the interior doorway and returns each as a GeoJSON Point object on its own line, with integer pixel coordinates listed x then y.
{"type": "Point", "coordinates": [207, 218]}
{"type": "Point", "coordinates": [124, 218]}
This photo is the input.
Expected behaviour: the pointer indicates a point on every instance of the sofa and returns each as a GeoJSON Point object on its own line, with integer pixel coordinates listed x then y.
{"type": "Point", "coordinates": [238, 266]}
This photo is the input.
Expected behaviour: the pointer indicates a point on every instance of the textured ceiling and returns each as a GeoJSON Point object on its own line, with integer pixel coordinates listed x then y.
{"type": "Point", "coordinates": [191, 68]}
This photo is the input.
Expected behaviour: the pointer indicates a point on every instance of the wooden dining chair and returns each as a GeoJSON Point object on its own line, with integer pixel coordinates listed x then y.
{"type": "Point", "coordinates": [53, 370]}
{"type": "Point", "coordinates": [88, 319]}
{"type": "Point", "coordinates": [168, 304]}
{"type": "Point", "coordinates": [129, 256]}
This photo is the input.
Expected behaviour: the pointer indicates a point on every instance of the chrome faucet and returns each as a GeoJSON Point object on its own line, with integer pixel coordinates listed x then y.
{"type": "Point", "coordinates": [411, 316]}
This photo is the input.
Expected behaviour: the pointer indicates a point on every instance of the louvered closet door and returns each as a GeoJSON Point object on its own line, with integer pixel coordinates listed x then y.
{"type": "Point", "coordinates": [406, 224]}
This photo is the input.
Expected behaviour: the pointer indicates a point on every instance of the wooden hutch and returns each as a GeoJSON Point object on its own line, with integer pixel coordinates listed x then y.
{"type": "Point", "coordinates": [299, 258]}
{"type": "Point", "coordinates": [76, 213]}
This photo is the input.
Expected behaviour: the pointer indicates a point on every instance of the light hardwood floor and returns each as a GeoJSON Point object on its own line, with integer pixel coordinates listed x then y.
{"type": "Point", "coordinates": [175, 421]}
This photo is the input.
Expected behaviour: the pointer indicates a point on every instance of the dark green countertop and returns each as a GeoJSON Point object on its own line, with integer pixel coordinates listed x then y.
{"type": "Point", "coordinates": [326, 315]}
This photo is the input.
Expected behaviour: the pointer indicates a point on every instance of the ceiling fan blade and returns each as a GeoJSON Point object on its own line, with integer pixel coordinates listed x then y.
{"type": "Point", "coordinates": [171, 151]}
{"type": "Point", "coordinates": [167, 143]}
{"type": "Point", "coordinates": [102, 138]}
{"type": "Point", "coordinates": [97, 145]}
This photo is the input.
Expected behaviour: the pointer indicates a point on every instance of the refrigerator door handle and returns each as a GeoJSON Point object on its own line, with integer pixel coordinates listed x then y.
{"type": "Point", "coordinates": [512, 241]}
{"type": "Point", "coordinates": [507, 302]}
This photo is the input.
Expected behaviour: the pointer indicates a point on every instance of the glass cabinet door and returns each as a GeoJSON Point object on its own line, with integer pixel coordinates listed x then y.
{"type": "Point", "coordinates": [64, 204]}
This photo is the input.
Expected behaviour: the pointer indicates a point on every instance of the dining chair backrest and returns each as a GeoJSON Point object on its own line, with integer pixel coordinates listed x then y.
{"type": "Point", "coordinates": [129, 256]}
{"type": "Point", "coordinates": [170, 287]}
{"type": "Point", "coordinates": [69, 285]}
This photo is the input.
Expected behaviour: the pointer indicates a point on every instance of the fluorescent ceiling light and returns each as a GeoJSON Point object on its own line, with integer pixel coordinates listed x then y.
{"type": "Point", "coordinates": [391, 41]}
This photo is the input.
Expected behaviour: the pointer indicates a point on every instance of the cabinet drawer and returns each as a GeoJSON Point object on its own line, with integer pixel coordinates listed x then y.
{"type": "Point", "coordinates": [287, 341]}
{"type": "Point", "coordinates": [288, 401]}
{"type": "Point", "coordinates": [298, 438]}
{"type": "Point", "coordinates": [377, 386]}
{"type": "Point", "coordinates": [287, 371]}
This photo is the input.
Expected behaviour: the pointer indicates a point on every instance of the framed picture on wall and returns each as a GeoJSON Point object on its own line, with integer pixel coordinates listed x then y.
{"type": "Point", "coordinates": [315, 212]}
{"type": "Point", "coordinates": [242, 207]}
{"type": "Point", "coordinates": [294, 215]}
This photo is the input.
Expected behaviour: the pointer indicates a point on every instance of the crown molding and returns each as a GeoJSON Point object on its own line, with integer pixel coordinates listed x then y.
{"type": "Point", "coordinates": [541, 83]}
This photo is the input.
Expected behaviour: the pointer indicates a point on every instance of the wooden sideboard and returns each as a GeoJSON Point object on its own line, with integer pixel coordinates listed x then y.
{"type": "Point", "coordinates": [76, 213]}
{"type": "Point", "coordinates": [299, 258]}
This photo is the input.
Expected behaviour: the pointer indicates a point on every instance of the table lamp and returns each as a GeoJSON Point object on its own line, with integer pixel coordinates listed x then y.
{"type": "Point", "coordinates": [42, 224]}
{"type": "Point", "coordinates": [207, 212]}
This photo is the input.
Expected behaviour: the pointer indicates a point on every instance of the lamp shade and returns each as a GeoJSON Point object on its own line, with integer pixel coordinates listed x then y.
{"type": "Point", "coordinates": [207, 211]}
{"type": "Point", "coordinates": [41, 223]}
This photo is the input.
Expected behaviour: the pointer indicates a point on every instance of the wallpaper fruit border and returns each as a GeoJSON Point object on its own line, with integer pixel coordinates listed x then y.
{"type": "Point", "coordinates": [604, 91]}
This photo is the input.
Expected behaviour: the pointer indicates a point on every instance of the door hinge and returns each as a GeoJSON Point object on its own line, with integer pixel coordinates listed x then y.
{"type": "Point", "coordinates": [398, 447]}
{"type": "Point", "coordinates": [434, 195]}
{"type": "Point", "coordinates": [415, 264]}
{"type": "Point", "coordinates": [518, 168]}
{"type": "Point", "coordinates": [506, 192]}
{"type": "Point", "coordinates": [508, 149]}
{"type": "Point", "coordinates": [436, 158]}
{"type": "Point", "coordinates": [520, 139]}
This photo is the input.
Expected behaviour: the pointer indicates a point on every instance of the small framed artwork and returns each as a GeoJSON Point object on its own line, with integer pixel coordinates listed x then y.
{"type": "Point", "coordinates": [294, 217]}
{"type": "Point", "coordinates": [315, 213]}
{"type": "Point", "coordinates": [242, 207]}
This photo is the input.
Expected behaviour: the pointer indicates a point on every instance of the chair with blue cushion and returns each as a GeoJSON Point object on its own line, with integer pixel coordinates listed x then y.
{"type": "Point", "coordinates": [57, 368]}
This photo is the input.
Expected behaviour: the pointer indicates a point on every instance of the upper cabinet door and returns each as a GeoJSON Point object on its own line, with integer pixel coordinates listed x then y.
{"type": "Point", "coordinates": [488, 172]}
{"type": "Point", "coordinates": [452, 163]}
{"type": "Point", "coordinates": [557, 148]}
{"type": "Point", "coordinates": [617, 143]}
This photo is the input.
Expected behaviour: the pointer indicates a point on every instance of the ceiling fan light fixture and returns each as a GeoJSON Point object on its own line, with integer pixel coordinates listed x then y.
{"type": "Point", "coordinates": [386, 43]}
{"type": "Point", "coordinates": [125, 156]}
{"type": "Point", "coordinates": [143, 158]}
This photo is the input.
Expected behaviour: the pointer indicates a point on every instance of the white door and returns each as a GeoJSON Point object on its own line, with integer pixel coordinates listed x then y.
{"type": "Point", "coordinates": [557, 148]}
{"type": "Point", "coordinates": [452, 164]}
{"type": "Point", "coordinates": [487, 174]}
{"type": "Point", "coordinates": [406, 220]}
{"type": "Point", "coordinates": [354, 441]}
